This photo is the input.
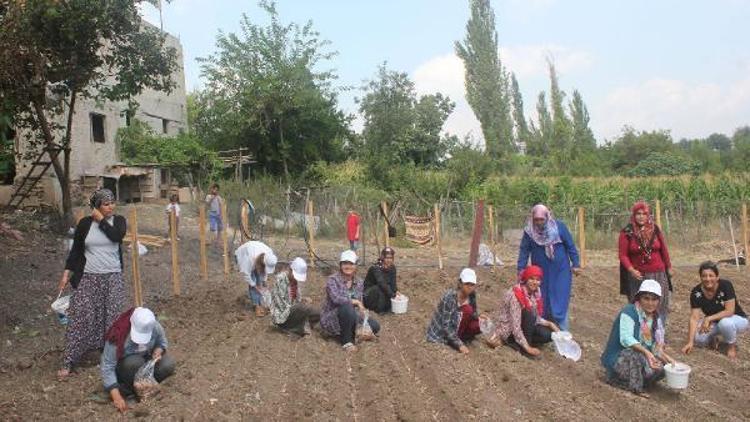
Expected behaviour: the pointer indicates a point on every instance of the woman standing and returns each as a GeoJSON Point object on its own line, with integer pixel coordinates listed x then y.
{"type": "Point", "coordinates": [338, 317]}
{"type": "Point", "coordinates": [549, 244]}
{"type": "Point", "coordinates": [643, 255]}
{"type": "Point", "coordinates": [634, 352]}
{"type": "Point", "coordinates": [715, 311]}
{"type": "Point", "coordinates": [94, 270]}
{"type": "Point", "coordinates": [520, 323]}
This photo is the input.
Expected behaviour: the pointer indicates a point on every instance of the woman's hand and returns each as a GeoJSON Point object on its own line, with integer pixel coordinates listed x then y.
{"type": "Point", "coordinates": [357, 304]}
{"type": "Point", "coordinates": [687, 348]}
{"type": "Point", "coordinates": [635, 273]}
{"type": "Point", "coordinates": [157, 354]}
{"type": "Point", "coordinates": [118, 400]}
{"type": "Point", "coordinates": [63, 281]}
{"type": "Point", "coordinates": [577, 271]}
{"type": "Point", "coordinates": [463, 349]}
{"type": "Point", "coordinates": [97, 215]}
{"type": "Point", "coordinates": [533, 351]}
{"type": "Point", "coordinates": [705, 326]}
{"type": "Point", "coordinates": [653, 362]}
{"type": "Point", "coordinates": [552, 326]}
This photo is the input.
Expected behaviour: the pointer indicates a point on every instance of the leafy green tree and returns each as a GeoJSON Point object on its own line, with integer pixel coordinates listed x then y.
{"type": "Point", "coordinates": [522, 128]}
{"type": "Point", "coordinates": [665, 164]}
{"type": "Point", "coordinates": [583, 138]}
{"type": "Point", "coordinates": [741, 142]}
{"type": "Point", "coordinates": [54, 52]}
{"type": "Point", "coordinates": [264, 92]}
{"type": "Point", "coordinates": [486, 80]}
{"type": "Point", "coordinates": [633, 146]}
{"type": "Point", "coordinates": [542, 133]}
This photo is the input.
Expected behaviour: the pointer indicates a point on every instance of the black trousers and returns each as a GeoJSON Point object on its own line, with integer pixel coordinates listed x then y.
{"type": "Point", "coordinates": [298, 315]}
{"type": "Point", "coordinates": [348, 320]}
{"type": "Point", "coordinates": [376, 300]}
{"type": "Point", "coordinates": [535, 334]}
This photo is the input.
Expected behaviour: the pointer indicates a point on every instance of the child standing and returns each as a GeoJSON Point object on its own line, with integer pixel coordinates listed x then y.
{"type": "Point", "coordinates": [215, 217]}
{"type": "Point", "coordinates": [174, 204]}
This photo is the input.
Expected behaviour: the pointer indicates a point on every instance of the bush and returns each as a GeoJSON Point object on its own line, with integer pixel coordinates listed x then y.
{"type": "Point", "coordinates": [665, 164]}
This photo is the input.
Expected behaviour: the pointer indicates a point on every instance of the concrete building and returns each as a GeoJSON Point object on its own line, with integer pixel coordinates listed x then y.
{"type": "Point", "coordinates": [95, 159]}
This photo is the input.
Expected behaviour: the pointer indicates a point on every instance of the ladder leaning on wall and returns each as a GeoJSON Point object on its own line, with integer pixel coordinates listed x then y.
{"type": "Point", "coordinates": [38, 169]}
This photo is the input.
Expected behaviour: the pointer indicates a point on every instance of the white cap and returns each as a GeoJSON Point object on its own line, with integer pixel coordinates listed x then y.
{"type": "Point", "coordinates": [142, 323]}
{"type": "Point", "coordinates": [269, 260]}
{"type": "Point", "coordinates": [650, 286]}
{"type": "Point", "coordinates": [299, 269]}
{"type": "Point", "coordinates": [468, 276]}
{"type": "Point", "coordinates": [348, 256]}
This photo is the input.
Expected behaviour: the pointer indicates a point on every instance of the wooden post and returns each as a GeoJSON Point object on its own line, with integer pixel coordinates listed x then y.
{"type": "Point", "coordinates": [745, 235]}
{"type": "Point", "coordinates": [734, 245]}
{"type": "Point", "coordinates": [311, 232]}
{"type": "Point", "coordinates": [133, 223]}
{"type": "Point", "coordinates": [387, 241]}
{"type": "Point", "coordinates": [658, 213]}
{"type": "Point", "coordinates": [582, 235]}
{"type": "Point", "coordinates": [491, 215]}
{"type": "Point", "coordinates": [202, 236]}
{"type": "Point", "coordinates": [245, 222]}
{"type": "Point", "coordinates": [476, 235]}
{"type": "Point", "coordinates": [225, 222]}
{"type": "Point", "coordinates": [175, 252]}
{"type": "Point", "coordinates": [437, 236]}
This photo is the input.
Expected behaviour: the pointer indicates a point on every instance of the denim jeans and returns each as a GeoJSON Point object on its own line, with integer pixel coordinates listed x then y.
{"type": "Point", "coordinates": [727, 327]}
{"type": "Point", "coordinates": [255, 295]}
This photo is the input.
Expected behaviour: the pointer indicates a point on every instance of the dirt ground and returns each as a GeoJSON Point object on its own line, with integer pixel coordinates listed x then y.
{"type": "Point", "coordinates": [234, 366]}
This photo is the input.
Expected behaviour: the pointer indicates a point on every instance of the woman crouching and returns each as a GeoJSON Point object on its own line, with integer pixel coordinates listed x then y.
{"type": "Point", "coordinates": [634, 353]}
{"type": "Point", "coordinates": [520, 323]}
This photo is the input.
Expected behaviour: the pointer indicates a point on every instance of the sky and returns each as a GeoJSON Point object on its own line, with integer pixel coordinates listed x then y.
{"type": "Point", "coordinates": [682, 66]}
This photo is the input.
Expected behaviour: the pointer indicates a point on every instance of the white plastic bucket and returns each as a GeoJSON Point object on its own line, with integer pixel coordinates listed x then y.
{"type": "Point", "coordinates": [677, 375]}
{"type": "Point", "coordinates": [399, 304]}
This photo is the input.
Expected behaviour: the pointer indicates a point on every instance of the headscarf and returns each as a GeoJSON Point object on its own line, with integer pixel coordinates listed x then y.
{"type": "Point", "coordinates": [386, 251]}
{"type": "Point", "coordinates": [549, 235]}
{"type": "Point", "coordinates": [522, 293]}
{"type": "Point", "coordinates": [99, 196]}
{"type": "Point", "coordinates": [645, 232]}
{"type": "Point", "coordinates": [118, 333]}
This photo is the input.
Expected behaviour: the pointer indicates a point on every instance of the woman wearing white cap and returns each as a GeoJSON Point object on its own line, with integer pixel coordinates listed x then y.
{"type": "Point", "coordinates": [344, 293]}
{"type": "Point", "coordinates": [133, 339]}
{"type": "Point", "coordinates": [289, 310]}
{"type": "Point", "coordinates": [256, 261]}
{"type": "Point", "coordinates": [456, 319]}
{"type": "Point", "coordinates": [634, 353]}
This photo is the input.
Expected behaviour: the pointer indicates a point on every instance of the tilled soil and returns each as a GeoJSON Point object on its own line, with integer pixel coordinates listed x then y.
{"type": "Point", "coordinates": [233, 366]}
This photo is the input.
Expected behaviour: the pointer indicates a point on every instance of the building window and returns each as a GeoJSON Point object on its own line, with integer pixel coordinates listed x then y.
{"type": "Point", "coordinates": [165, 126]}
{"type": "Point", "coordinates": [97, 128]}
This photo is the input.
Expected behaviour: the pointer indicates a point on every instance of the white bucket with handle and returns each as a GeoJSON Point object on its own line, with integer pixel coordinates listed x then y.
{"type": "Point", "coordinates": [399, 304]}
{"type": "Point", "coordinates": [677, 375]}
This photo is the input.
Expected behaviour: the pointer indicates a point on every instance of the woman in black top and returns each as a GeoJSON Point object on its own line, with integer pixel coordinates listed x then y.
{"type": "Point", "coordinates": [715, 312]}
{"type": "Point", "coordinates": [380, 283]}
{"type": "Point", "coordinates": [94, 271]}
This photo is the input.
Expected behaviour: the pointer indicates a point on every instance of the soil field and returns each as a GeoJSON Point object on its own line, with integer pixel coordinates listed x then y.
{"type": "Point", "coordinates": [234, 366]}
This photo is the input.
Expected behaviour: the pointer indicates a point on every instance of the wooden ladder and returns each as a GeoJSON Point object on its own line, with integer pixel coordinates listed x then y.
{"type": "Point", "coordinates": [37, 170]}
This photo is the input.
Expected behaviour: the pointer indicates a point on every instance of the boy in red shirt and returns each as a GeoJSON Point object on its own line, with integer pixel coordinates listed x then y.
{"type": "Point", "coordinates": [353, 223]}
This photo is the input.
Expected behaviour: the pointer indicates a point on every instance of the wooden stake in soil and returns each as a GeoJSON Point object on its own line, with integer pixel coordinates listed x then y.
{"type": "Point", "coordinates": [491, 215]}
{"type": "Point", "coordinates": [133, 223]}
{"type": "Point", "coordinates": [245, 233]}
{"type": "Point", "coordinates": [745, 235]}
{"type": "Point", "coordinates": [476, 236]}
{"type": "Point", "coordinates": [175, 252]}
{"type": "Point", "coordinates": [311, 232]}
{"type": "Point", "coordinates": [582, 235]}
{"type": "Point", "coordinates": [225, 222]}
{"type": "Point", "coordinates": [387, 241]}
{"type": "Point", "coordinates": [734, 245]}
{"type": "Point", "coordinates": [437, 236]}
{"type": "Point", "coordinates": [658, 213]}
{"type": "Point", "coordinates": [202, 237]}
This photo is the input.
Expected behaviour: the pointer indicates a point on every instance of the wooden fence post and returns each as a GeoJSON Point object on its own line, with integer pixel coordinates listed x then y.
{"type": "Point", "coordinates": [582, 235]}
{"type": "Point", "coordinates": [175, 252]}
{"type": "Point", "coordinates": [734, 245]}
{"type": "Point", "coordinates": [437, 236]}
{"type": "Point", "coordinates": [225, 223]}
{"type": "Point", "coordinates": [133, 223]}
{"type": "Point", "coordinates": [491, 215]}
{"type": "Point", "coordinates": [476, 235]}
{"type": "Point", "coordinates": [658, 213]}
{"type": "Point", "coordinates": [745, 235]}
{"type": "Point", "coordinates": [387, 241]}
{"type": "Point", "coordinates": [311, 231]}
{"type": "Point", "coordinates": [202, 237]}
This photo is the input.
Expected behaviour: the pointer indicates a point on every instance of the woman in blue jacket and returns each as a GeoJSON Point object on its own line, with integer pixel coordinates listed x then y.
{"type": "Point", "coordinates": [549, 244]}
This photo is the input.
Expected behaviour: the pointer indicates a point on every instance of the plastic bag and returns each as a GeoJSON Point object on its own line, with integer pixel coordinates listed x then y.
{"type": "Point", "coordinates": [142, 250]}
{"type": "Point", "coordinates": [366, 329]}
{"type": "Point", "coordinates": [60, 306]}
{"type": "Point", "coordinates": [566, 346]}
{"type": "Point", "coordinates": [486, 326]}
{"type": "Point", "coordinates": [266, 298]}
{"type": "Point", "coordinates": [144, 383]}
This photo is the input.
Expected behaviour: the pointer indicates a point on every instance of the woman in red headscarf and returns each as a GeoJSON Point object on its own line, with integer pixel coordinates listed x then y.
{"type": "Point", "coordinates": [519, 322]}
{"type": "Point", "coordinates": [644, 255]}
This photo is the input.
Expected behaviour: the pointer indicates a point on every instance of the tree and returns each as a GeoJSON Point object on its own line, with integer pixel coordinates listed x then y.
{"type": "Point", "coordinates": [485, 79]}
{"type": "Point", "coordinates": [741, 142]}
{"type": "Point", "coordinates": [522, 127]}
{"type": "Point", "coordinates": [665, 164]}
{"type": "Point", "coordinates": [54, 52]}
{"type": "Point", "coordinates": [633, 146]}
{"type": "Point", "coordinates": [400, 128]}
{"type": "Point", "coordinates": [264, 92]}
{"type": "Point", "coordinates": [562, 142]}
{"type": "Point", "coordinates": [540, 141]}
{"type": "Point", "coordinates": [583, 137]}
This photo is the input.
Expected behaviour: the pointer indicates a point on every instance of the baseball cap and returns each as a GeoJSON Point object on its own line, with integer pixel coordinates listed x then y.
{"type": "Point", "coordinates": [650, 286]}
{"type": "Point", "coordinates": [269, 259]}
{"type": "Point", "coordinates": [468, 276]}
{"type": "Point", "coordinates": [299, 269]}
{"type": "Point", "coordinates": [142, 323]}
{"type": "Point", "coordinates": [348, 256]}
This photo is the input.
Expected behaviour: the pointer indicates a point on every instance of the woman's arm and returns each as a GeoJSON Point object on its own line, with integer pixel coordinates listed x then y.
{"type": "Point", "coordinates": [115, 232]}
{"type": "Point", "coordinates": [523, 252]}
{"type": "Point", "coordinates": [337, 294]}
{"type": "Point", "coordinates": [570, 246]}
{"type": "Point", "coordinates": [695, 315]}
{"type": "Point", "coordinates": [623, 244]}
{"type": "Point", "coordinates": [665, 253]}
